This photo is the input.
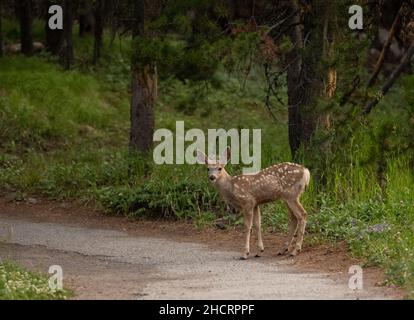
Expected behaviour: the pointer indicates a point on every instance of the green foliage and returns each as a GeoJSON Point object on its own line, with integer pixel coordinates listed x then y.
{"type": "Point", "coordinates": [181, 199]}
{"type": "Point", "coordinates": [11, 30]}
{"type": "Point", "coordinates": [193, 46]}
{"type": "Point", "coordinates": [380, 232]}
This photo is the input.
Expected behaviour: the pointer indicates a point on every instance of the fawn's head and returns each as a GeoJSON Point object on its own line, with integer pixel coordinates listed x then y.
{"type": "Point", "coordinates": [216, 168]}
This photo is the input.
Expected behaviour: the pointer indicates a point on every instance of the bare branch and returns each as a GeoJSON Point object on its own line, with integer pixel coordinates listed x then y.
{"type": "Point", "coordinates": [385, 48]}
{"type": "Point", "coordinates": [394, 76]}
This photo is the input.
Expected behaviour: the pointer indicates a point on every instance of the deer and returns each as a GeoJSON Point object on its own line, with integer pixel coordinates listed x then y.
{"type": "Point", "coordinates": [245, 193]}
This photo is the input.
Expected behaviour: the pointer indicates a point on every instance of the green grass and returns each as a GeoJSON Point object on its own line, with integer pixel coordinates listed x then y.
{"type": "Point", "coordinates": [56, 128]}
{"type": "Point", "coordinates": [19, 284]}
{"type": "Point", "coordinates": [11, 30]}
{"type": "Point", "coordinates": [64, 135]}
{"type": "Point", "coordinates": [44, 106]}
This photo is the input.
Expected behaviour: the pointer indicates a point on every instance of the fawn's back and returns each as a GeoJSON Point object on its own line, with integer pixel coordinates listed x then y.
{"type": "Point", "coordinates": [284, 180]}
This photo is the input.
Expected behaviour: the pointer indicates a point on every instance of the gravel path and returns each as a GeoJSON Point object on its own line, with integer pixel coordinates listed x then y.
{"type": "Point", "coordinates": [110, 264]}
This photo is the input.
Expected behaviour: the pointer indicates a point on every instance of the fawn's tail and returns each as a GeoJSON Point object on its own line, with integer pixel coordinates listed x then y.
{"type": "Point", "coordinates": [306, 178]}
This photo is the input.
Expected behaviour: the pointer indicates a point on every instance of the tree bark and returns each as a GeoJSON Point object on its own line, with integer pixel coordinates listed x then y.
{"type": "Point", "coordinates": [98, 13]}
{"type": "Point", "coordinates": [329, 55]}
{"type": "Point", "coordinates": [144, 92]}
{"type": "Point", "coordinates": [300, 81]}
{"type": "Point", "coordinates": [86, 18]}
{"type": "Point", "coordinates": [54, 38]}
{"type": "Point", "coordinates": [294, 71]}
{"type": "Point", "coordinates": [16, 7]}
{"type": "Point", "coordinates": [394, 76]}
{"type": "Point", "coordinates": [82, 25]}
{"type": "Point", "coordinates": [26, 38]}
{"type": "Point", "coordinates": [67, 35]}
{"type": "Point", "coordinates": [1, 29]}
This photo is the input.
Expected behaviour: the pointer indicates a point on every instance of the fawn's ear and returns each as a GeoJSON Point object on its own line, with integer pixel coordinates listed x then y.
{"type": "Point", "coordinates": [201, 157]}
{"type": "Point", "coordinates": [226, 156]}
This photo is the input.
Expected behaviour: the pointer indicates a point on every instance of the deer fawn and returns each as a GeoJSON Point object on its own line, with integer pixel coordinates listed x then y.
{"type": "Point", "coordinates": [285, 181]}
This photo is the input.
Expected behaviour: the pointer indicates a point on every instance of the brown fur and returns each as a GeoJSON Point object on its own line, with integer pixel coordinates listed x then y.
{"type": "Point", "coordinates": [285, 181]}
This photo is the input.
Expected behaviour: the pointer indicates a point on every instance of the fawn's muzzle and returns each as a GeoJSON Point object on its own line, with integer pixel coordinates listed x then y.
{"type": "Point", "coordinates": [212, 178]}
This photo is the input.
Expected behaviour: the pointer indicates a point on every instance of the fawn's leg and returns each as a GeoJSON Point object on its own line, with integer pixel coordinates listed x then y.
{"type": "Point", "coordinates": [293, 228]}
{"type": "Point", "coordinates": [257, 222]}
{"type": "Point", "coordinates": [248, 221]}
{"type": "Point", "coordinates": [301, 215]}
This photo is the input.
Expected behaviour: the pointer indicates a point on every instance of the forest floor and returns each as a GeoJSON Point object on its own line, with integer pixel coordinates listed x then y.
{"type": "Point", "coordinates": [107, 257]}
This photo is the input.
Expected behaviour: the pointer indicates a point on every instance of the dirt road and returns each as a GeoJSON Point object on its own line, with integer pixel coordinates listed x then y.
{"type": "Point", "coordinates": [108, 261]}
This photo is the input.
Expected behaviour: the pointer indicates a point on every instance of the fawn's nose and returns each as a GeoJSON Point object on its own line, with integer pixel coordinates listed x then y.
{"type": "Point", "coordinates": [212, 178]}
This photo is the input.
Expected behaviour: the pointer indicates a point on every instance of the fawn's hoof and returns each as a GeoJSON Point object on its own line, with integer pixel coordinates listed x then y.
{"type": "Point", "coordinates": [245, 256]}
{"type": "Point", "coordinates": [282, 251]}
{"type": "Point", "coordinates": [259, 254]}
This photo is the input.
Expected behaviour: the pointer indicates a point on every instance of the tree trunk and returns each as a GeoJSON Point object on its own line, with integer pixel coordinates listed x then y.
{"type": "Point", "coordinates": [294, 71]}
{"type": "Point", "coordinates": [98, 13]}
{"type": "Point", "coordinates": [67, 35]}
{"type": "Point", "coordinates": [16, 8]}
{"type": "Point", "coordinates": [82, 25]}
{"type": "Point", "coordinates": [329, 55]}
{"type": "Point", "coordinates": [25, 14]}
{"type": "Point", "coordinates": [86, 19]}
{"type": "Point", "coordinates": [144, 92]}
{"type": "Point", "coordinates": [54, 38]}
{"type": "Point", "coordinates": [1, 30]}
{"type": "Point", "coordinates": [300, 78]}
